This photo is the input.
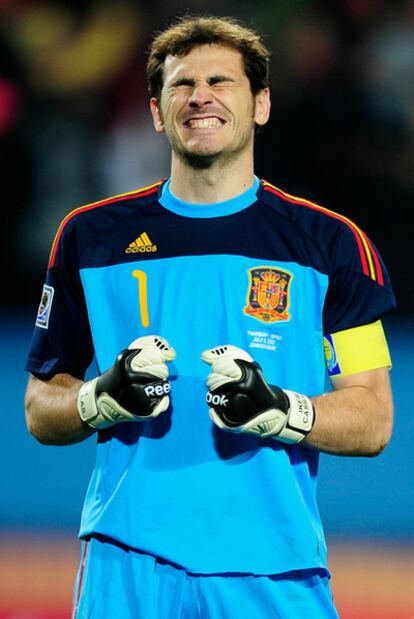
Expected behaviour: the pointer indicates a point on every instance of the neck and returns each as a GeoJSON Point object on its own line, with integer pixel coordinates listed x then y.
{"type": "Point", "coordinates": [217, 183]}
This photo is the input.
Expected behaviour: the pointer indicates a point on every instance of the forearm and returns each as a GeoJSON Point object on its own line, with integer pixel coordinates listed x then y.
{"type": "Point", "coordinates": [51, 410]}
{"type": "Point", "coordinates": [353, 421]}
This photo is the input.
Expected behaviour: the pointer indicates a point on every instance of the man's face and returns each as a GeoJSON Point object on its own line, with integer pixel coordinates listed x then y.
{"type": "Point", "coordinates": [207, 108]}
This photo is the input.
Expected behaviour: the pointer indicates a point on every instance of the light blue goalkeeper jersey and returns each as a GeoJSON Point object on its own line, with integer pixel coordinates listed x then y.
{"type": "Point", "coordinates": [266, 272]}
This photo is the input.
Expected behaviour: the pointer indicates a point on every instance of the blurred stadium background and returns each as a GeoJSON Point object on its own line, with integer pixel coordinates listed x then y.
{"type": "Point", "coordinates": [74, 128]}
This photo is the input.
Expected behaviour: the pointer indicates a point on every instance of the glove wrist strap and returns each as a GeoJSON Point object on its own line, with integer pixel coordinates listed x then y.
{"type": "Point", "coordinates": [300, 419]}
{"type": "Point", "coordinates": [88, 408]}
{"type": "Point", "coordinates": [103, 411]}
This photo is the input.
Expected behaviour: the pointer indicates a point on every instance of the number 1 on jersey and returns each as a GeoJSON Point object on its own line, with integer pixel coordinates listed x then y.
{"type": "Point", "coordinates": [142, 296]}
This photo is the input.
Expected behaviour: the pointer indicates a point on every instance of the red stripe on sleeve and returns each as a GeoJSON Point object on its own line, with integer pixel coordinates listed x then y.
{"type": "Point", "coordinates": [378, 269]}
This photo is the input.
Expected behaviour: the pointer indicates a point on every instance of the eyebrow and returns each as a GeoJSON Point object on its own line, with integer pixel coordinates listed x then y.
{"type": "Point", "coordinates": [213, 79]}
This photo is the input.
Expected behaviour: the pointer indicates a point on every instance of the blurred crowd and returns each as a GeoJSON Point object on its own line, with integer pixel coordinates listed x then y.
{"type": "Point", "coordinates": [75, 126]}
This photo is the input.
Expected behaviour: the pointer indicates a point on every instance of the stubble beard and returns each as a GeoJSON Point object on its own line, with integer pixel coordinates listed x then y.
{"type": "Point", "coordinates": [204, 161]}
{"type": "Point", "coordinates": [197, 161]}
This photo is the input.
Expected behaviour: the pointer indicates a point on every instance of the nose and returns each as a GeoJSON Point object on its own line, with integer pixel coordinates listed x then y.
{"type": "Point", "coordinates": [201, 95]}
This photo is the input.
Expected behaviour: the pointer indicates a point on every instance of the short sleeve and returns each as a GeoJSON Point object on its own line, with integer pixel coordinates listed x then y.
{"type": "Point", "coordinates": [61, 341]}
{"type": "Point", "coordinates": [359, 290]}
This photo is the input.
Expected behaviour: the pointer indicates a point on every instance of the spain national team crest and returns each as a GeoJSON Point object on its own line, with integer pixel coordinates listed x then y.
{"type": "Point", "coordinates": [268, 294]}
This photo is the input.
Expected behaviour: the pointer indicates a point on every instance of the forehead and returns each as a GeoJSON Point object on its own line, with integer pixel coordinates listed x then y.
{"type": "Point", "coordinates": [205, 60]}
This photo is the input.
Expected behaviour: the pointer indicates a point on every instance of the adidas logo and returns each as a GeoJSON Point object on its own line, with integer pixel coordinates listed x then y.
{"type": "Point", "coordinates": [141, 245]}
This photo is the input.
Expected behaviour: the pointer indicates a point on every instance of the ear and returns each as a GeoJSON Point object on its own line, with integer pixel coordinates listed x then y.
{"type": "Point", "coordinates": [156, 115]}
{"type": "Point", "coordinates": [262, 106]}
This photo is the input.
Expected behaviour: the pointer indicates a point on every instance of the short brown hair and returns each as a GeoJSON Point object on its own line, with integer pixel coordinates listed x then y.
{"type": "Point", "coordinates": [192, 31]}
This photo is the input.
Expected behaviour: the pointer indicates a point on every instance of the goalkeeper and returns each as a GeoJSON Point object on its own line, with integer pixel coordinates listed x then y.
{"type": "Point", "coordinates": [212, 291]}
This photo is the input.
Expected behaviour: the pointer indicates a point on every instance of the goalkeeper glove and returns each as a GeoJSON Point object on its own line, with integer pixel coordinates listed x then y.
{"type": "Point", "coordinates": [135, 388]}
{"type": "Point", "coordinates": [241, 400]}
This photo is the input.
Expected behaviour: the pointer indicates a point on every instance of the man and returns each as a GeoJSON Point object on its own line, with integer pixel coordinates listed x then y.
{"type": "Point", "coordinates": [189, 514]}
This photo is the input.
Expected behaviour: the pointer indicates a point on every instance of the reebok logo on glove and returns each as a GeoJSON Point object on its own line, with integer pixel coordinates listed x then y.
{"type": "Point", "coordinates": [158, 390]}
{"type": "Point", "coordinates": [216, 400]}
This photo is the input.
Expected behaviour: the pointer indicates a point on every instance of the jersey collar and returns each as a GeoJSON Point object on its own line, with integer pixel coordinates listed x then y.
{"type": "Point", "coordinates": [217, 209]}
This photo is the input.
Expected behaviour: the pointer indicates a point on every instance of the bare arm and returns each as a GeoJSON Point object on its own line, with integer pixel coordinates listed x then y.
{"type": "Point", "coordinates": [51, 410]}
{"type": "Point", "coordinates": [356, 418]}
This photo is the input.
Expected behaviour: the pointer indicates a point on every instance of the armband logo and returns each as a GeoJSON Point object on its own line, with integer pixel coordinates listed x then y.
{"type": "Point", "coordinates": [268, 296]}
{"type": "Point", "coordinates": [331, 359]}
{"type": "Point", "coordinates": [45, 306]}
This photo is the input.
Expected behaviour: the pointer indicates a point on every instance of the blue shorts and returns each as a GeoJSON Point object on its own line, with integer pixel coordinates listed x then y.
{"type": "Point", "coordinates": [118, 582]}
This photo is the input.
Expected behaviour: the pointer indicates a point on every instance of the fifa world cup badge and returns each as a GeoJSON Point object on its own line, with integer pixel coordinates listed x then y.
{"type": "Point", "coordinates": [331, 358]}
{"type": "Point", "coordinates": [268, 294]}
{"type": "Point", "coordinates": [45, 306]}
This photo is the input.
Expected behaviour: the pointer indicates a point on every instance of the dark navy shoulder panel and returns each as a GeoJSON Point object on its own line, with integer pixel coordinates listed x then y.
{"type": "Point", "coordinates": [359, 289]}
{"type": "Point", "coordinates": [136, 225]}
{"type": "Point", "coordinates": [101, 221]}
{"type": "Point", "coordinates": [338, 239]}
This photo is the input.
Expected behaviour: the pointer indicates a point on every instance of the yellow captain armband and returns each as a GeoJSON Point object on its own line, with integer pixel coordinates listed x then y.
{"type": "Point", "coordinates": [356, 350]}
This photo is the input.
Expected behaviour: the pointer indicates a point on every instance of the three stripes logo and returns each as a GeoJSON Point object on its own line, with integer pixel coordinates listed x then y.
{"type": "Point", "coordinates": [141, 245]}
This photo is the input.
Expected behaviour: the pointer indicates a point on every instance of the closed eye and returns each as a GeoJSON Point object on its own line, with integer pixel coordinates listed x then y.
{"type": "Point", "coordinates": [183, 82]}
{"type": "Point", "coordinates": [214, 80]}
{"type": "Point", "coordinates": [220, 80]}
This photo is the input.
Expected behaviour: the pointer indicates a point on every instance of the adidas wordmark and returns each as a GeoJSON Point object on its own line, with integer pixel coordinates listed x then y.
{"type": "Point", "coordinates": [142, 244]}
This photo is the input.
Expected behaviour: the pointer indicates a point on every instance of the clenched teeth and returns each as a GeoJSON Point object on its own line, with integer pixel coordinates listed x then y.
{"type": "Point", "coordinates": [204, 123]}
